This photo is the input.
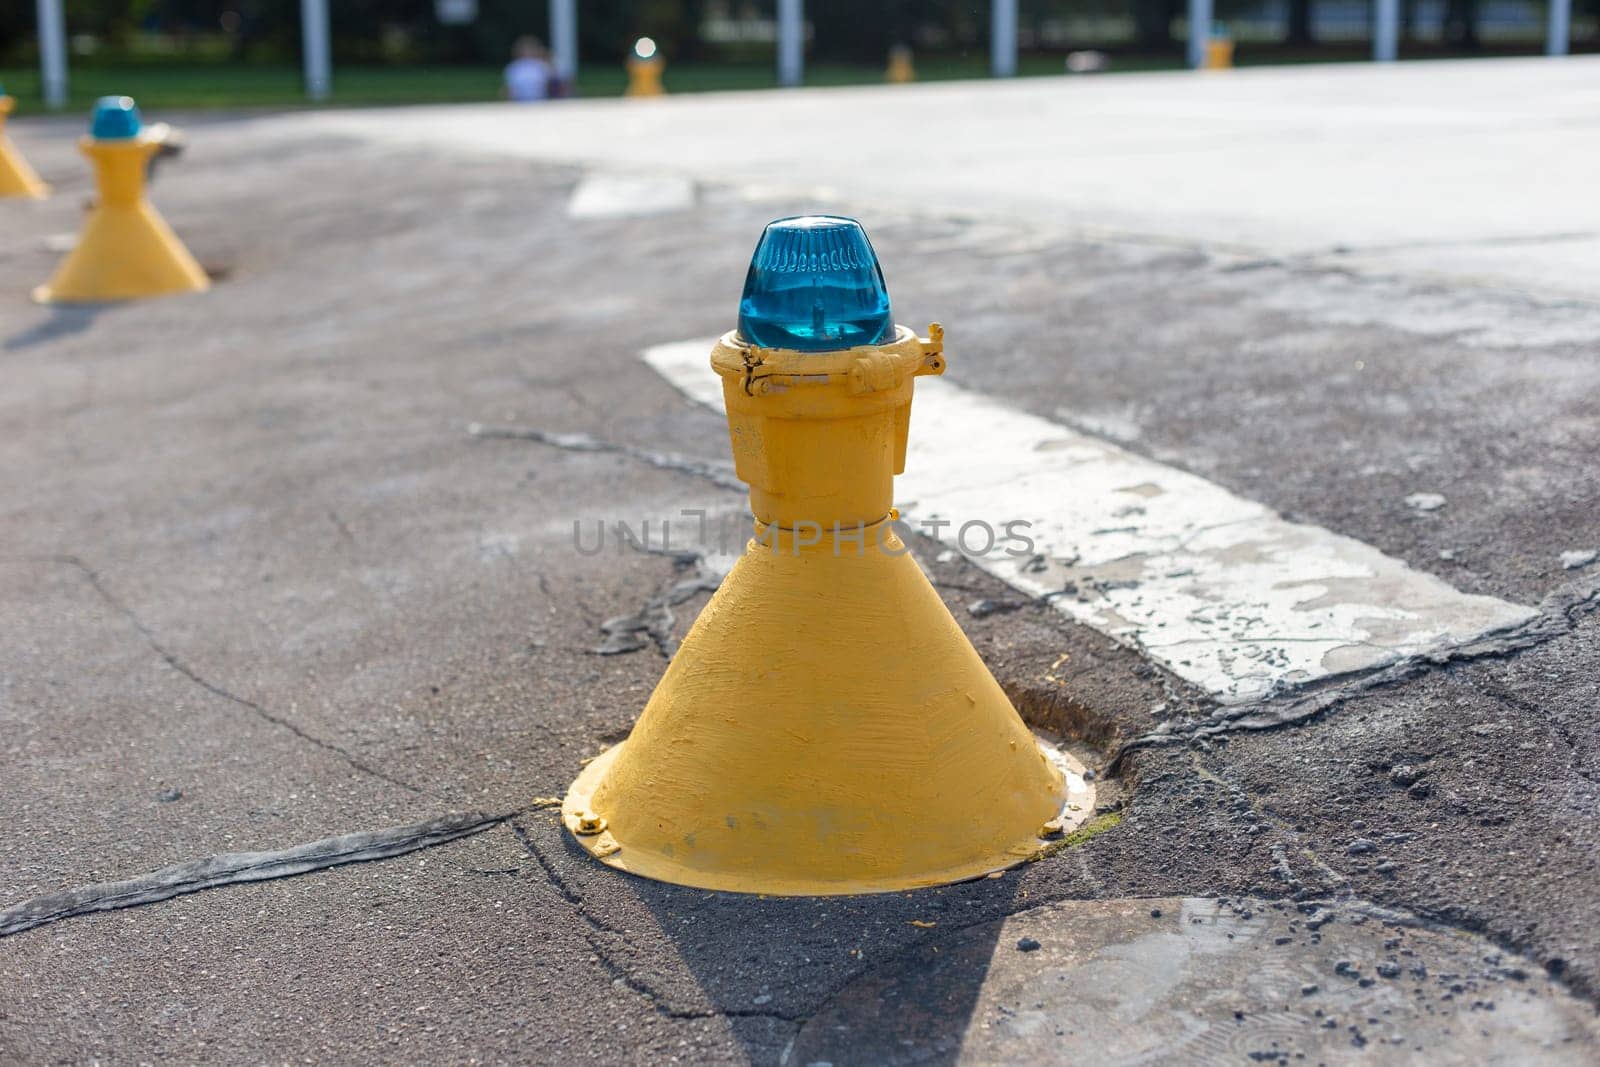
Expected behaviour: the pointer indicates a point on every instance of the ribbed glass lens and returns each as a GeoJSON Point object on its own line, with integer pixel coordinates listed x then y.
{"type": "Point", "coordinates": [116, 118]}
{"type": "Point", "coordinates": [815, 285]}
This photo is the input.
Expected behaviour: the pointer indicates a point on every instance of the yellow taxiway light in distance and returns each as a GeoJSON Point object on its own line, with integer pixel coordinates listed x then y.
{"type": "Point", "coordinates": [1219, 48]}
{"type": "Point", "coordinates": [645, 67]}
{"type": "Point", "coordinates": [826, 727]}
{"type": "Point", "coordinates": [126, 249]}
{"type": "Point", "coordinates": [902, 68]}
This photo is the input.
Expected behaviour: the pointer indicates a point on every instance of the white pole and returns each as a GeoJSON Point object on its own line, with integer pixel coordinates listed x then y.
{"type": "Point", "coordinates": [1386, 31]}
{"type": "Point", "coordinates": [1199, 31]}
{"type": "Point", "coordinates": [318, 55]}
{"type": "Point", "coordinates": [52, 53]}
{"type": "Point", "coordinates": [1558, 33]}
{"type": "Point", "coordinates": [564, 39]}
{"type": "Point", "coordinates": [1003, 39]}
{"type": "Point", "coordinates": [791, 41]}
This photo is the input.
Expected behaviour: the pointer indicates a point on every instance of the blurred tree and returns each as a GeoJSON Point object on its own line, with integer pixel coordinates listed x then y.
{"type": "Point", "coordinates": [844, 31]}
{"type": "Point", "coordinates": [851, 31]}
{"type": "Point", "coordinates": [1461, 23]}
{"type": "Point", "coordinates": [16, 26]}
{"type": "Point", "coordinates": [690, 47]}
{"type": "Point", "coordinates": [1152, 20]}
{"type": "Point", "coordinates": [1302, 18]}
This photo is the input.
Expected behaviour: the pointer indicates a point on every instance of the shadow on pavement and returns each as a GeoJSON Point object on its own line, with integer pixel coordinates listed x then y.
{"type": "Point", "coordinates": [63, 321]}
{"type": "Point", "coordinates": [770, 964]}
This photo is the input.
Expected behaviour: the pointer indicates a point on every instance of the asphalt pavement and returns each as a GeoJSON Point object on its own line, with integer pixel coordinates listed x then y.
{"type": "Point", "coordinates": [264, 588]}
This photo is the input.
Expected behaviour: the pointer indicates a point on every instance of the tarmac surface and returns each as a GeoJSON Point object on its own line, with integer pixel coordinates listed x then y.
{"type": "Point", "coordinates": [262, 588]}
{"type": "Point", "coordinates": [1473, 171]}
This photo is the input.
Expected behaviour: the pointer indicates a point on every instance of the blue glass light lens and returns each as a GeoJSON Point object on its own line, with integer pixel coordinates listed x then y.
{"type": "Point", "coordinates": [116, 118]}
{"type": "Point", "coordinates": [815, 285]}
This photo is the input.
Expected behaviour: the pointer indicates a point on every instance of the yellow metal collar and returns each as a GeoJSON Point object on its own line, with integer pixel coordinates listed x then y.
{"type": "Point", "coordinates": [864, 369]}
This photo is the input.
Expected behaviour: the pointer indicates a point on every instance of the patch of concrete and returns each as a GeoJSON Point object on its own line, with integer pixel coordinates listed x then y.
{"type": "Point", "coordinates": [1297, 160]}
{"type": "Point", "coordinates": [1474, 317]}
{"type": "Point", "coordinates": [1198, 980]}
{"type": "Point", "coordinates": [606, 196]}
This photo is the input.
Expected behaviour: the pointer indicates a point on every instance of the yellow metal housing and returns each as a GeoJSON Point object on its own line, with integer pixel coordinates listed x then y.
{"type": "Point", "coordinates": [644, 76]}
{"type": "Point", "coordinates": [17, 179]}
{"type": "Point", "coordinates": [901, 69]}
{"type": "Point", "coordinates": [126, 250]}
{"type": "Point", "coordinates": [825, 727]}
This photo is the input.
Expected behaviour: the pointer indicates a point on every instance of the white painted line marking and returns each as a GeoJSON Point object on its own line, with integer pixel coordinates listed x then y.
{"type": "Point", "coordinates": [687, 365]}
{"type": "Point", "coordinates": [608, 196]}
{"type": "Point", "coordinates": [1218, 589]}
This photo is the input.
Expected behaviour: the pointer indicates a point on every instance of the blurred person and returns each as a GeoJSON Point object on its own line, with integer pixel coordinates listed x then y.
{"type": "Point", "coordinates": [529, 76]}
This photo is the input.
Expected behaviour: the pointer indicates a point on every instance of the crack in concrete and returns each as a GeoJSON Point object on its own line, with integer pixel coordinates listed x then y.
{"type": "Point", "coordinates": [188, 672]}
{"type": "Point", "coordinates": [1560, 729]}
{"type": "Point", "coordinates": [1338, 893]}
{"type": "Point", "coordinates": [344, 530]}
{"type": "Point", "coordinates": [1558, 615]}
{"type": "Point", "coordinates": [652, 623]}
{"type": "Point", "coordinates": [600, 929]}
{"type": "Point", "coordinates": [229, 868]}
{"type": "Point", "coordinates": [1501, 241]}
{"type": "Point", "coordinates": [1289, 837]}
{"type": "Point", "coordinates": [719, 474]}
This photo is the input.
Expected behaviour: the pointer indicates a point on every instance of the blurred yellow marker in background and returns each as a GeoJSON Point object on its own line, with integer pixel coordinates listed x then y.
{"type": "Point", "coordinates": [17, 179]}
{"type": "Point", "coordinates": [126, 250]}
{"type": "Point", "coordinates": [644, 69]}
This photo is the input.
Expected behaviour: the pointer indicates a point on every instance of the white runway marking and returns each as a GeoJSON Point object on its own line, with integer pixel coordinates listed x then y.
{"type": "Point", "coordinates": [602, 195]}
{"type": "Point", "coordinates": [1218, 589]}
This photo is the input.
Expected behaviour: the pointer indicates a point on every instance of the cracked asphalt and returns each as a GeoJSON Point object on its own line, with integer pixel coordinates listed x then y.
{"type": "Point", "coordinates": [262, 586]}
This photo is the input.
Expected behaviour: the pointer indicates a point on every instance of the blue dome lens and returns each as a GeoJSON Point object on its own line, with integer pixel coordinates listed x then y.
{"type": "Point", "coordinates": [815, 285]}
{"type": "Point", "coordinates": [116, 118]}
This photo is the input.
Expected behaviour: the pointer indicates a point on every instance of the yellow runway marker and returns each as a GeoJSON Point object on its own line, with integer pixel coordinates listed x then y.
{"type": "Point", "coordinates": [17, 179]}
{"type": "Point", "coordinates": [644, 70]}
{"type": "Point", "coordinates": [826, 727]}
{"type": "Point", "coordinates": [126, 250]}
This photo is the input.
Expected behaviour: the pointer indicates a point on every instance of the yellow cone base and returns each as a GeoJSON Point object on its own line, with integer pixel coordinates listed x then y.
{"type": "Point", "coordinates": [126, 252]}
{"type": "Point", "coordinates": [825, 728]}
{"type": "Point", "coordinates": [599, 841]}
{"type": "Point", "coordinates": [17, 179]}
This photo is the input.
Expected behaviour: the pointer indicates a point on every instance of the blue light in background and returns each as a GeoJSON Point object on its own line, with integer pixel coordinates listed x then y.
{"type": "Point", "coordinates": [116, 118]}
{"type": "Point", "coordinates": [815, 285]}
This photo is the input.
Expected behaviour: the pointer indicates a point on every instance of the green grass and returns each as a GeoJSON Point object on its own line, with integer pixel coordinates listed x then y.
{"type": "Point", "coordinates": [1087, 832]}
{"type": "Point", "coordinates": [168, 86]}
{"type": "Point", "coordinates": [159, 87]}
{"type": "Point", "coordinates": [173, 87]}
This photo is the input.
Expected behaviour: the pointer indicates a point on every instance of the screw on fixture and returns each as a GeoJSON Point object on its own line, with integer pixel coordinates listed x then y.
{"type": "Point", "coordinates": [589, 823]}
